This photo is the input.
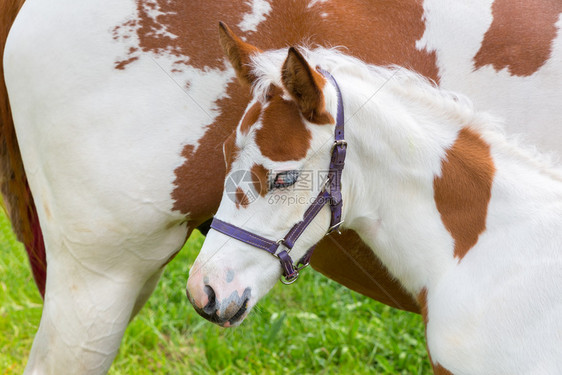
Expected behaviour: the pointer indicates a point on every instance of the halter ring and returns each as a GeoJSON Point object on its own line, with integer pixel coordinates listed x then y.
{"type": "Point", "coordinates": [288, 280]}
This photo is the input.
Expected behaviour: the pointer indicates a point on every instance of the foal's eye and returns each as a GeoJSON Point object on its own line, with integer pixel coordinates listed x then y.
{"type": "Point", "coordinates": [285, 179]}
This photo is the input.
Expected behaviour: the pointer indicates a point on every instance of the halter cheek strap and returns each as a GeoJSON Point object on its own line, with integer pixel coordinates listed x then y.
{"type": "Point", "coordinates": [337, 161]}
{"type": "Point", "coordinates": [330, 193]}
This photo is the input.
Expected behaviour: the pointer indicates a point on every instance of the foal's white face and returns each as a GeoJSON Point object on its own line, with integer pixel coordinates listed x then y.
{"type": "Point", "coordinates": [276, 163]}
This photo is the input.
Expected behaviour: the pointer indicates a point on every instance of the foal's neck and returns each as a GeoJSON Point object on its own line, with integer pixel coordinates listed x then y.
{"type": "Point", "coordinates": [419, 184]}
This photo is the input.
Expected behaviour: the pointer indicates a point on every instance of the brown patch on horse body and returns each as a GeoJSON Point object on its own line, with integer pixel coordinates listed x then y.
{"type": "Point", "coordinates": [199, 181]}
{"type": "Point", "coordinates": [463, 191]}
{"type": "Point", "coordinates": [379, 33]}
{"type": "Point", "coordinates": [194, 23]}
{"type": "Point", "coordinates": [283, 135]}
{"type": "Point", "coordinates": [250, 118]}
{"type": "Point", "coordinates": [242, 199]}
{"type": "Point", "coordinates": [259, 179]}
{"type": "Point", "coordinates": [392, 29]}
{"type": "Point", "coordinates": [520, 36]}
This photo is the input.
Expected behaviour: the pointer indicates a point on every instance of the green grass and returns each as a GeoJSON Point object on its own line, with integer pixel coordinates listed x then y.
{"type": "Point", "coordinates": [312, 327]}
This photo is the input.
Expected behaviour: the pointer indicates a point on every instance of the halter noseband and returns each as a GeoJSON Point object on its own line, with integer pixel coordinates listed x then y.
{"type": "Point", "coordinates": [330, 193]}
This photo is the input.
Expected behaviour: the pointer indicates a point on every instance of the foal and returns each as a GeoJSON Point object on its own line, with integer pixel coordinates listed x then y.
{"type": "Point", "coordinates": [469, 223]}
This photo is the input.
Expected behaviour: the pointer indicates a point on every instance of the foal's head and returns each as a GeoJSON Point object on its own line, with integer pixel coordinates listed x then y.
{"type": "Point", "coordinates": [276, 162]}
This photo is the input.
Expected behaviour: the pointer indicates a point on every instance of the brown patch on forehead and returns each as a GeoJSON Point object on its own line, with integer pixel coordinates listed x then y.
{"type": "Point", "coordinates": [242, 199]}
{"type": "Point", "coordinates": [259, 179]}
{"type": "Point", "coordinates": [520, 36]}
{"type": "Point", "coordinates": [283, 135]}
{"type": "Point", "coordinates": [250, 118]}
{"type": "Point", "coordinates": [463, 191]}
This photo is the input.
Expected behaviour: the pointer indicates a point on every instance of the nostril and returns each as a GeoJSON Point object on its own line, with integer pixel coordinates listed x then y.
{"type": "Point", "coordinates": [211, 306]}
{"type": "Point", "coordinates": [240, 312]}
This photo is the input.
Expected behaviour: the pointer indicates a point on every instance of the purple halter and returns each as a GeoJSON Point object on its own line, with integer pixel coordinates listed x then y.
{"type": "Point", "coordinates": [330, 193]}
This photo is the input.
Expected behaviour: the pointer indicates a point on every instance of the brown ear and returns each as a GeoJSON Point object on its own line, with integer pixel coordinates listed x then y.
{"type": "Point", "coordinates": [238, 52]}
{"type": "Point", "coordinates": [305, 87]}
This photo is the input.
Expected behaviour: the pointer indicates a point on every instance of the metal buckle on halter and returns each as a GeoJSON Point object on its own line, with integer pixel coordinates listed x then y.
{"type": "Point", "coordinates": [341, 142]}
{"type": "Point", "coordinates": [335, 227]}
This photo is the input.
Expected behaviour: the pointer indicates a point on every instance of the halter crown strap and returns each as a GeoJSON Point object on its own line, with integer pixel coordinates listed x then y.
{"type": "Point", "coordinates": [331, 195]}
{"type": "Point", "coordinates": [337, 161]}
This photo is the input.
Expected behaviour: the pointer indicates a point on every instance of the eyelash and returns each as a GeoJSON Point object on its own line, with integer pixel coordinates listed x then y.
{"type": "Point", "coordinates": [284, 179]}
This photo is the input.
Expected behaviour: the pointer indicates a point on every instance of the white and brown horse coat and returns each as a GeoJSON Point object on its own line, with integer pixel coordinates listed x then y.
{"type": "Point", "coordinates": [465, 219]}
{"type": "Point", "coordinates": [121, 109]}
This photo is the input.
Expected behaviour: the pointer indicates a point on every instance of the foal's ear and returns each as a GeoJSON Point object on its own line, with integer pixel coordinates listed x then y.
{"type": "Point", "coordinates": [305, 87]}
{"type": "Point", "coordinates": [238, 52]}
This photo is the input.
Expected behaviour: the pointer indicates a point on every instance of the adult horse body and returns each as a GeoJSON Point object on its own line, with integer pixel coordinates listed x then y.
{"type": "Point", "coordinates": [121, 109]}
{"type": "Point", "coordinates": [466, 220]}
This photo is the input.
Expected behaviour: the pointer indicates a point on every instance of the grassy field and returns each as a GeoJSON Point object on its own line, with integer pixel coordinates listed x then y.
{"type": "Point", "coordinates": [312, 327]}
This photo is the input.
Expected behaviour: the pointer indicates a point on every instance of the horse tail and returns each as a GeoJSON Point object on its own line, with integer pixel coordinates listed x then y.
{"type": "Point", "coordinates": [17, 200]}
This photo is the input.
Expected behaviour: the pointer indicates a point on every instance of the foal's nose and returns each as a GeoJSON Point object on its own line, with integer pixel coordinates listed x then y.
{"type": "Point", "coordinates": [226, 311]}
{"type": "Point", "coordinates": [206, 305]}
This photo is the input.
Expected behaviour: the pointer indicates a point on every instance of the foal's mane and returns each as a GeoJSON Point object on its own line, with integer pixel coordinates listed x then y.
{"type": "Point", "coordinates": [416, 88]}
{"type": "Point", "coordinates": [267, 68]}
